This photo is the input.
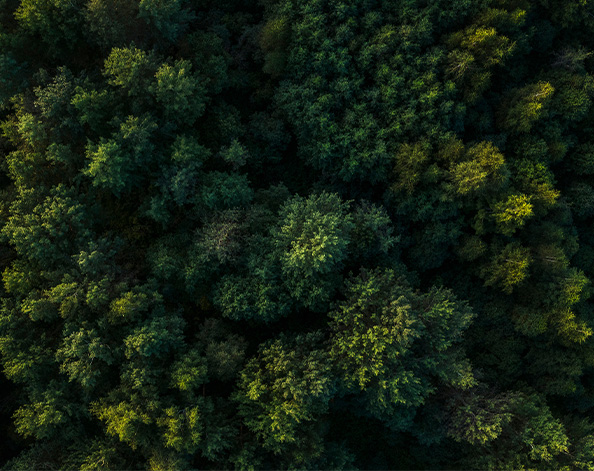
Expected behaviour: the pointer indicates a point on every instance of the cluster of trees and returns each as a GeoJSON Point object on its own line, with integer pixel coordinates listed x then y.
{"type": "Point", "coordinates": [297, 234]}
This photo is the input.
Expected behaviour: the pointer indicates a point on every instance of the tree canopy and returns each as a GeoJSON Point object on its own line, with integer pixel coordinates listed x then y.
{"type": "Point", "coordinates": [296, 234]}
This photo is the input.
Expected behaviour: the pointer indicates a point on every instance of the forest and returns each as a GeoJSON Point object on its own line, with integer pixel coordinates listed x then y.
{"type": "Point", "coordinates": [297, 234]}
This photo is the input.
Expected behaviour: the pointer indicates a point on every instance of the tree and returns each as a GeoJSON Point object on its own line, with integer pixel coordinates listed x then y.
{"type": "Point", "coordinates": [525, 106]}
{"type": "Point", "coordinates": [114, 23]}
{"type": "Point", "coordinates": [115, 163]}
{"type": "Point", "coordinates": [46, 228]}
{"type": "Point", "coordinates": [482, 168]}
{"type": "Point", "coordinates": [169, 17]}
{"type": "Point", "coordinates": [509, 267]}
{"type": "Point", "coordinates": [474, 52]}
{"type": "Point", "coordinates": [130, 68]}
{"type": "Point", "coordinates": [283, 391]}
{"type": "Point", "coordinates": [179, 92]}
{"type": "Point", "coordinates": [512, 213]}
{"type": "Point", "coordinates": [57, 23]}
{"type": "Point", "coordinates": [541, 440]}
{"type": "Point", "coordinates": [393, 346]}
{"type": "Point", "coordinates": [311, 241]}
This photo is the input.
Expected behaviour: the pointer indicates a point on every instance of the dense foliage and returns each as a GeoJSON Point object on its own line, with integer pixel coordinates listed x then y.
{"type": "Point", "coordinates": [297, 234]}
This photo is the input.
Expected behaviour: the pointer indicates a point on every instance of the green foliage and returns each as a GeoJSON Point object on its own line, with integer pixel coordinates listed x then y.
{"type": "Point", "coordinates": [509, 267]}
{"type": "Point", "coordinates": [78, 353]}
{"type": "Point", "coordinates": [92, 106]}
{"type": "Point", "coordinates": [256, 298]}
{"type": "Point", "coordinates": [284, 389]}
{"type": "Point", "coordinates": [182, 429]}
{"type": "Point", "coordinates": [410, 161]}
{"type": "Point", "coordinates": [312, 241]}
{"type": "Point", "coordinates": [113, 23]}
{"type": "Point", "coordinates": [115, 163]}
{"type": "Point", "coordinates": [480, 419]}
{"type": "Point", "coordinates": [35, 225]}
{"type": "Point", "coordinates": [372, 234]}
{"type": "Point", "coordinates": [274, 39]}
{"type": "Point", "coordinates": [512, 213]}
{"type": "Point", "coordinates": [189, 372]}
{"type": "Point", "coordinates": [524, 106]}
{"type": "Point", "coordinates": [296, 234]}
{"type": "Point", "coordinates": [12, 78]}
{"type": "Point", "coordinates": [122, 421]}
{"type": "Point", "coordinates": [376, 334]}
{"type": "Point", "coordinates": [167, 16]}
{"type": "Point", "coordinates": [483, 168]}
{"type": "Point", "coordinates": [54, 22]}
{"type": "Point", "coordinates": [474, 52]}
{"type": "Point", "coordinates": [179, 92]}
{"type": "Point", "coordinates": [155, 338]}
{"type": "Point", "coordinates": [129, 68]}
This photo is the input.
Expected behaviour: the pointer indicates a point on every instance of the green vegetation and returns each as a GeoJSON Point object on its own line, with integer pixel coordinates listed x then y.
{"type": "Point", "coordinates": [297, 234]}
